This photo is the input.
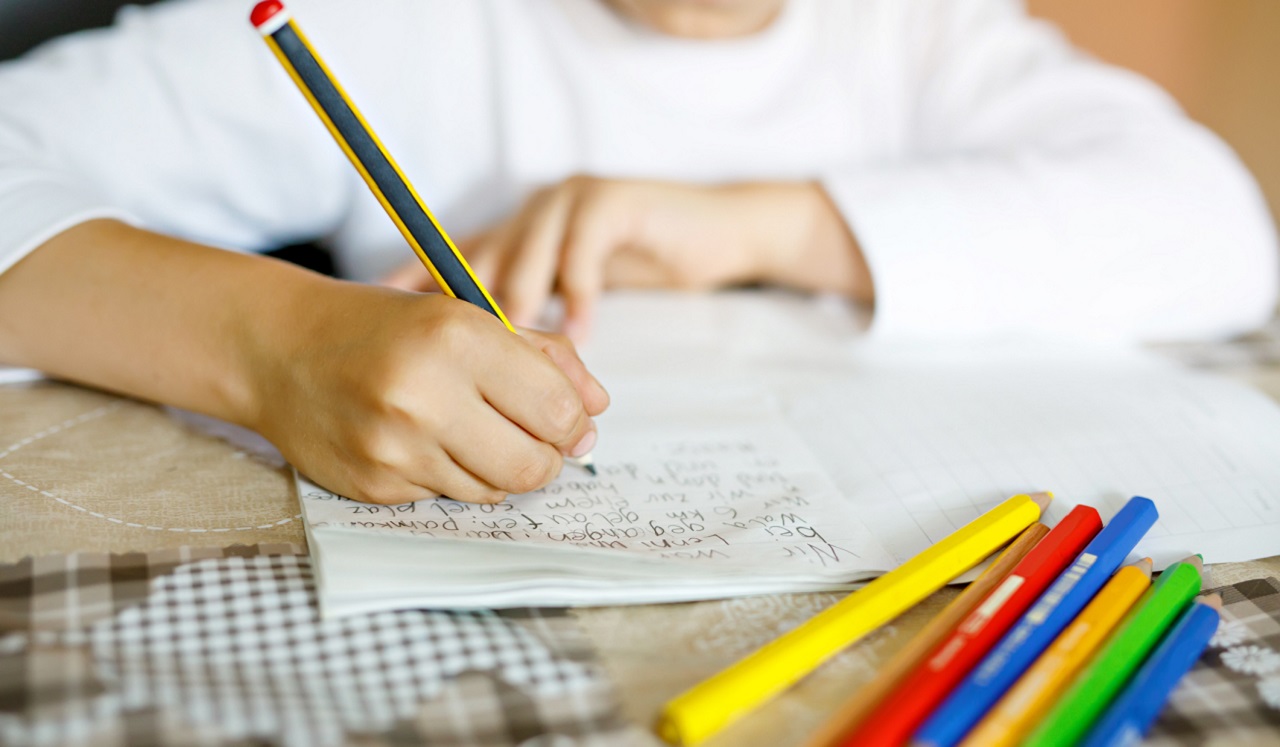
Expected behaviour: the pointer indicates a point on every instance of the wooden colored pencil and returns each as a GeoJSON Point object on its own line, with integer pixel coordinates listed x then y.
{"type": "Point", "coordinates": [1035, 693]}
{"type": "Point", "coordinates": [850, 714]}
{"type": "Point", "coordinates": [1075, 713]}
{"type": "Point", "coordinates": [705, 709]}
{"type": "Point", "coordinates": [911, 702]}
{"type": "Point", "coordinates": [1131, 715]}
{"type": "Point", "coordinates": [1049, 616]}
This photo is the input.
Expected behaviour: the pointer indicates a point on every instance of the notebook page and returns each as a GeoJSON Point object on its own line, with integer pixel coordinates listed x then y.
{"type": "Point", "coordinates": [925, 452]}
{"type": "Point", "coordinates": [712, 478]}
{"type": "Point", "coordinates": [921, 438]}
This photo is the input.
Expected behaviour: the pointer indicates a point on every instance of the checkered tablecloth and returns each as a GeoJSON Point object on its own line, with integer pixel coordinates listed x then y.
{"type": "Point", "coordinates": [220, 646]}
{"type": "Point", "coordinates": [1232, 696]}
{"type": "Point", "coordinates": [209, 646]}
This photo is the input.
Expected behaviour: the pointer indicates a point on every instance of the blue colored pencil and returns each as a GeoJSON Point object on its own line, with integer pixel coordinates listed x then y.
{"type": "Point", "coordinates": [1057, 607]}
{"type": "Point", "coordinates": [1136, 708]}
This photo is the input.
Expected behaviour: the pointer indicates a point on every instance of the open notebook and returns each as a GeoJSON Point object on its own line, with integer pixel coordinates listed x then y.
{"type": "Point", "coordinates": [757, 444]}
{"type": "Point", "coordinates": [700, 494]}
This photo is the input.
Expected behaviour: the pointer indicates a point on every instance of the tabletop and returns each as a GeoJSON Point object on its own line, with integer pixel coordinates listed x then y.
{"type": "Point", "coordinates": [90, 480]}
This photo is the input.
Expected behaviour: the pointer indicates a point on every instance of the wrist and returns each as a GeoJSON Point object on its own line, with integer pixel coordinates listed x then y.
{"type": "Point", "coordinates": [274, 329]}
{"type": "Point", "coordinates": [802, 241]}
{"type": "Point", "coordinates": [776, 223]}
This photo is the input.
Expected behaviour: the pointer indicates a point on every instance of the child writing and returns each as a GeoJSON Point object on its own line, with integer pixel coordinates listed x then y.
{"type": "Point", "coordinates": [950, 163]}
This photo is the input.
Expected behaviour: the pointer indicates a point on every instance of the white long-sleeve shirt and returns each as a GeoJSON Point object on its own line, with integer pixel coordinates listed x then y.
{"type": "Point", "coordinates": [996, 180]}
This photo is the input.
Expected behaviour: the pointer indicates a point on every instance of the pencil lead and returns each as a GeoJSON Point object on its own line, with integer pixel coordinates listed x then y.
{"type": "Point", "coordinates": [586, 461]}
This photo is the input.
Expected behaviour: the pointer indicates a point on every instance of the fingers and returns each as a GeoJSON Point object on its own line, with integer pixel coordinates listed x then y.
{"type": "Point", "coordinates": [562, 353]}
{"type": "Point", "coordinates": [524, 385]}
{"type": "Point", "coordinates": [431, 473]}
{"type": "Point", "coordinates": [628, 268]}
{"type": "Point", "coordinates": [386, 488]}
{"type": "Point", "coordinates": [591, 238]}
{"type": "Point", "coordinates": [444, 475]}
{"type": "Point", "coordinates": [497, 452]}
{"type": "Point", "coordinates": [484, 256]}
{"type": "Point", "coordinates": [530, 273]}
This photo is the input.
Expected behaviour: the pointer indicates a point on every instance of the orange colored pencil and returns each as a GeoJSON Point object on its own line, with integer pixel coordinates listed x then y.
{"type": "Point", "coordinates": [850, 714]}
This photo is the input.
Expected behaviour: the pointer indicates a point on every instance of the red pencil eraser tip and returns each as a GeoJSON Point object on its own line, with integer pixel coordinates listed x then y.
{"type": "Point", "coordinates": [264, 11]}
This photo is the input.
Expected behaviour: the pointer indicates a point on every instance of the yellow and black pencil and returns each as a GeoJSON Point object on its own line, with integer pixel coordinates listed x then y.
{"type": "Point", "coordinates": [376, 166]}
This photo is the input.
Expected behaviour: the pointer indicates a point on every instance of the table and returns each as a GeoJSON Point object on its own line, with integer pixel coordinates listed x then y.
{"type": "Point", "coordinates": [82, 470]}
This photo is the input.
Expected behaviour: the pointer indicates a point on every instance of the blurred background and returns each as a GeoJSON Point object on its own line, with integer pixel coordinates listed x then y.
{"type": "Point", "coordinates": [1219, 58]}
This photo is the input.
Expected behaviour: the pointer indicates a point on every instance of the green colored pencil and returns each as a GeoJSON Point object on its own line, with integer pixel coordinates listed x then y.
{"type": "Point", "coordinates": [1085, 701]}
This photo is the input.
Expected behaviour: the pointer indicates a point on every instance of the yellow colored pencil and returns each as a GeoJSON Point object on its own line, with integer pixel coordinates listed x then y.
{"type": "Point", "coordinates": [1021, 709]}
{"type": "Point", "coordinates": [851, 713]}
{"type": "Point", "coordinates": [717, 702]}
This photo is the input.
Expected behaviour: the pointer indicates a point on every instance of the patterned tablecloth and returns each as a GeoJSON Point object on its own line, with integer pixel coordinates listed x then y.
{"type": "Point", "coordinates": [180, 638]}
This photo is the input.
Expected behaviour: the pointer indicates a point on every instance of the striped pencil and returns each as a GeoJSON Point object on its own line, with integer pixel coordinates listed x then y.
{"type": "Point", "coordinates": [376, 166]}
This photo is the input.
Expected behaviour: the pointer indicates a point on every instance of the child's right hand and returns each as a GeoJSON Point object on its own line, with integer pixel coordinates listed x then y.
{"type": "Point", "coordinates": [376, 394]}
{"type": "Point", "coordinates": [390, 397]}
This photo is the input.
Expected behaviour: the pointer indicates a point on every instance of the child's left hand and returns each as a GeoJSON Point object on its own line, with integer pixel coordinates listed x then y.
{"type": "Point", "coordinates": [587, 234]}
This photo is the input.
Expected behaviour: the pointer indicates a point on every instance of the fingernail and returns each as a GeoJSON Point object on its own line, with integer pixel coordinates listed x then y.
{"type": "Point", "coordinates": [585, 444]}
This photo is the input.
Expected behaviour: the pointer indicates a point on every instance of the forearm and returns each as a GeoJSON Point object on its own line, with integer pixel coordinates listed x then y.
{"type": "Point", "coordinates": [147, 315]}
{"type": "Point", "coordinates": [803, 240]}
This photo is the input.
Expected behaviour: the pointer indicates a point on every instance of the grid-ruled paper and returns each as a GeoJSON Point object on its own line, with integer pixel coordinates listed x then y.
{"type": "Point", "coordinates": [921, 451]}
{"type": "Point", "coordinates": [921, 438]}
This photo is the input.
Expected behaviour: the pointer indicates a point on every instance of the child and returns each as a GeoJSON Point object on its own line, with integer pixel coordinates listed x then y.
{"type": "Point", "coordinates": [950, 162]}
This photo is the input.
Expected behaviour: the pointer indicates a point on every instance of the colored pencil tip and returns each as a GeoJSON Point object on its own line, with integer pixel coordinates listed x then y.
{"type": "Point", "coordinates": [1211, 600]}
{"type": "Point", "coordinates": [1145, 565]}
{"type": "Point", "coordinates": [1194, 560]}
{"type": "Point", "coordinates": [1042, 499]}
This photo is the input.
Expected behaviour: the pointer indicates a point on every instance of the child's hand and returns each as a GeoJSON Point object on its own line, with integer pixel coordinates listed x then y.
{"type": "Point", "coordinates": [389, 397]}
{"type": "Point", "coordinates": [585, 234]}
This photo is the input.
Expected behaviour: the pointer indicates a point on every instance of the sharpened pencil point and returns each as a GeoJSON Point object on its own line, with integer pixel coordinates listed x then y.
{"type": "Point", "coordinates": [1194, 560]}
{"type": "Point", "coordinates": [1145, 565]}
{"type": "Point", "coordinates": [1211, 600]}
{"type": "Point", "coordinates": [1042, 500]}
{"type": "Point", "coordinates": [585, 462]}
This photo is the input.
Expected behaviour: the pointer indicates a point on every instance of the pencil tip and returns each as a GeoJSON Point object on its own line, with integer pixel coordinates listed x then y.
{"type": "Point", "coordinates": [1145, 565]}
{"type": "Point", "coordinates": [1196, 561]}
{"type": "Point", "coordinates": [585, 462]}
{"type": "Point", "coordinates": [1211, 600]}
{"type": "Point", "coordinates": [1042, 499]}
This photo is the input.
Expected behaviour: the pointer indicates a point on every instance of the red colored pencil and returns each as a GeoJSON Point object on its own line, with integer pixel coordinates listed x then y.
{"type": "Point", "coordinates": [911, 702]}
